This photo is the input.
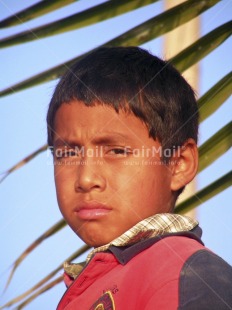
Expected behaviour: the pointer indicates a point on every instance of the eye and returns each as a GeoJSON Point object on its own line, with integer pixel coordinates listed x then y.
{"type": "Point", "coordinates": [60, 154]}
{"type": "Point", "coordinates": [119, 151]}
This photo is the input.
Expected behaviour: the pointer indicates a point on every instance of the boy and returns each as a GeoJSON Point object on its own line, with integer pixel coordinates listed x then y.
{"type": "Point", "coordinates": [123, 126]}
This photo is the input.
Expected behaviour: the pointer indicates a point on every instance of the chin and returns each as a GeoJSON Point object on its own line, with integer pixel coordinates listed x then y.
{"type": "Point", "coordinates": [93, 242]}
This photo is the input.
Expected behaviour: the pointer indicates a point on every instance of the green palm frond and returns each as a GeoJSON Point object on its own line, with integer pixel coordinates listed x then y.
{"type": "Point", "coordinates": [48, 278]}
{"type": "Point", "coordinates": [34, 11]}
{"type": "Point", "coordinates": [88, 17]}
{"type": "Point", "coordinates": [202, 47]}
{"type": "Point", "coordinates": [147, 31]}
{"type": "Point", "coordinates": [206, 193]}
{"type": "Point", "coordinates": [215, 97]}
{"type": "Point", "coordinates": [50, 232]}
{"type": "Point", "coordinates": [216, 146]}
{"type": "Point", "coordinates": [22, 162]}
{"type": "Point", "coordinates": [42, 290]}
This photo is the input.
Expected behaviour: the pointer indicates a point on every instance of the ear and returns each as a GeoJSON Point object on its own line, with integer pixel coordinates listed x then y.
{"type": "Point", "coordinates": [184, 165]}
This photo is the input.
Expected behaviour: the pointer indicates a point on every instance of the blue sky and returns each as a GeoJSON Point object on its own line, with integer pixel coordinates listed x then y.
{"type": "Point", "coordinates": [27, 197]}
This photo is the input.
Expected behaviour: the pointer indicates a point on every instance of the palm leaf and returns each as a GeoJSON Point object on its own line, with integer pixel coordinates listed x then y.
{"type": "Point", "coordinates": [51, 231]}
{"type": "Point", "coordinates": [206, 193]}
{"type": "Point", "coordinates": [162, 23]}
{"type": "Point", "coordinates": [39, 292]}
{"type": "Point", "coordinates": [34, 11]}
{"type": "Point", "coordinates": [149, 30]}
{"type": "Point", "coordinates": [202, 47]}
{"type": "Point", "coordinates": [88, 17]}
{"type": "Point", "coordinates": [23, 162]}
{"type": "Point", "coordinates": [75, 255]}
{"type": "Point", "coordinates": [215, 97]}
{"type": "Point", "coordinates": [217, 145]}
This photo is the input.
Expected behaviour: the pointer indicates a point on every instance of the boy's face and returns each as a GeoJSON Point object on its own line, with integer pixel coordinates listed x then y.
{"type": "Point", "coordinates": [115, 180]}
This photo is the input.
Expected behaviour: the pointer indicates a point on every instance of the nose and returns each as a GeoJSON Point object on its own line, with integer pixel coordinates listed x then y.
{"type": "Point", "coordinates": [90, 176]}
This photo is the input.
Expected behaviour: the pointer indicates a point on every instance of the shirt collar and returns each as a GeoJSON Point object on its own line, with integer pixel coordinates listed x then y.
{"type": "Point", "coordinates": [150, 227]}
{"type": "Point", "coordinates": [156, 225]}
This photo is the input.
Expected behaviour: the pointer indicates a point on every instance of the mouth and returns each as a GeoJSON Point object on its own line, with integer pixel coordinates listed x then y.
{"type": "Point", "coordinates": [91, 210]}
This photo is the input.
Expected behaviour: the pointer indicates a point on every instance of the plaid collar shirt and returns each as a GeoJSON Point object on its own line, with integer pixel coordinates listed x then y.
{"type": "Point", "coordinates": [153, 226]}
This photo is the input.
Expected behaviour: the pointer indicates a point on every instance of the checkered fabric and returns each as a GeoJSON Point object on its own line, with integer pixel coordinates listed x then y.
{"type": "Point", "coordinates": [153, 226]}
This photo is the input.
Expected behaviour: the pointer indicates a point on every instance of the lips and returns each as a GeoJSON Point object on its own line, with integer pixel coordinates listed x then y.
{"type": "Point", "coordinates": [91, 210]}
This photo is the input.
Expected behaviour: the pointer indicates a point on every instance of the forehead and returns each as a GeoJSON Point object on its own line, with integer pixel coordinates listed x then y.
{"type": "Point", "coordinates": [99, 121]}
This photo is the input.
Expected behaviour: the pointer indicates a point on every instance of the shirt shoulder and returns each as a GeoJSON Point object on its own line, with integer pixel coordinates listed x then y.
{"type": "Point", "coordinates": [205, 281]}
{"type": "Point", "coordinates": [185, 242]}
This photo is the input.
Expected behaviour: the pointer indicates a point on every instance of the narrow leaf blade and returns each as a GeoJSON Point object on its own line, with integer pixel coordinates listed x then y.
{"type": "Point", "coordinates": [23, 162]}
{"type": "Point", "coordinates": [88, 17]}
{"type": "Point", "coordinates": [136, 36]}
{"type": "Point", "coordinates": [39, 292]}
{"type": "Point", "coordinates": [51, 231]}
{"type": "Point", "coordinates": [202, 47]}
{"type": "Point", "coordinates": [215, 97]}
{"type": "Point", "coordinates": [216, 146]}
{"type": "Point", "coordinates": [34, 11]}
{"type": "Point", "coordinates": [205, 194]}
{"type": "Point", "coordinates": [75, 255]}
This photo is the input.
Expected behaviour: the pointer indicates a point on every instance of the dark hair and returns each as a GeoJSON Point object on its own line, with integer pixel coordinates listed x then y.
{"type": "Point", "coordinates": [131, 79]}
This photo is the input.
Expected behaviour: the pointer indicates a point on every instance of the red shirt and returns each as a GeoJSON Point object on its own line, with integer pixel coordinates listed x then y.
{"type": "Point", "coordinates": [133, 278]}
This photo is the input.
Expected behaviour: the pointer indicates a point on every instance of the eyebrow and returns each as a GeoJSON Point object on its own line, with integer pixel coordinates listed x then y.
{"type": "Point", "coordinates": [110, 138]}
{"type": "Point", "coordinates": [99, 139]}
{"type": "Point", "coordinates": [63, 142]}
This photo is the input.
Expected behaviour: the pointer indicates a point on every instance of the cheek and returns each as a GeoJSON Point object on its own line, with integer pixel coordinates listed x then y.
{"type": "Point", "coordinates": [118, 178]}
{"type": "Point", "coordinates": [64, 186]}
{"type": "Point", "coordinates": [153, 184]}
{"type": "Point", "coordinates": [129, 184]}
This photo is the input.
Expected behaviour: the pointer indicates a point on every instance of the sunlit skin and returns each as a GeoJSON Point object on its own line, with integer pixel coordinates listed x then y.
{"type": "Point", "coordinates": [108, 187]}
